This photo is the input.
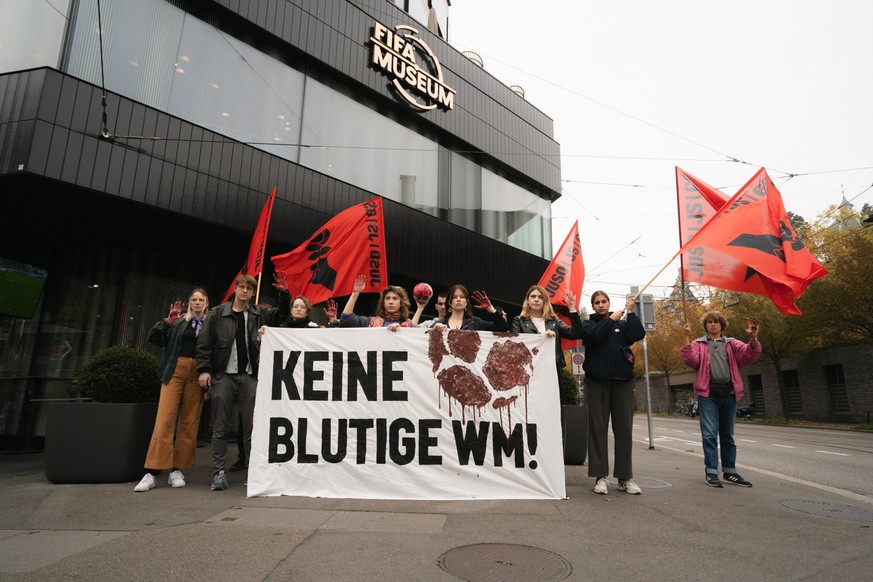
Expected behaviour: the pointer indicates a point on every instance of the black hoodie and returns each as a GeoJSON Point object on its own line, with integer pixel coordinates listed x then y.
{"type": "Point", "coordinates": [607, 346]}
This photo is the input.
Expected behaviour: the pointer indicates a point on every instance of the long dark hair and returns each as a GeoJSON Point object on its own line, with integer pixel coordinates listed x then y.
{"type": "Point", "coordinates": [451, 293]}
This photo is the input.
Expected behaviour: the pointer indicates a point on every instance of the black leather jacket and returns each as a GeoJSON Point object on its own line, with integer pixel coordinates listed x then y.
{"type": "Point", "coordinates": [219, 331]}
{"type": "Point", "coordinates": [562, 330]}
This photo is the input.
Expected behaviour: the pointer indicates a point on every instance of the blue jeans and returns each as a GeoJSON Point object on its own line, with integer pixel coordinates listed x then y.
{"type": "Point", "coordinates": [717, 417]}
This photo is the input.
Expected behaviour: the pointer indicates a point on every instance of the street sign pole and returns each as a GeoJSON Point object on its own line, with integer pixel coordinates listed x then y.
{"type": "Point", "coordinates": [646, 312]}
{"type": "Point", "coordinates": [648, 393]}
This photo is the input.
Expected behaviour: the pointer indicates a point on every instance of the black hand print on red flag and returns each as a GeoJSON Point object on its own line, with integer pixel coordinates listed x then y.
{"type": "Point", "coordinates": [322, 273]}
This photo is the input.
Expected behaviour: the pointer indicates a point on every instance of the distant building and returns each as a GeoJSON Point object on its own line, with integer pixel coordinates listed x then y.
{"type": "Point", "coordinates": [846, 217]}
{"type": "Point", "coordinates": [831, 384]}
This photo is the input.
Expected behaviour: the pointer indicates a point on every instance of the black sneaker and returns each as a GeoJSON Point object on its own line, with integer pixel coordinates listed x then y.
{"type": "Point", "coordinates": [712, 480]}
{"type": "Point", "coordinates": [219, 482]}
{"type": "Point", "coordinates": [735, 479]}
{"type": "Point", "coordinates": [238, 466]}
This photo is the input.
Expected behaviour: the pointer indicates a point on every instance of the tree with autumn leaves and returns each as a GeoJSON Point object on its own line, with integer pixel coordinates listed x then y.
{"type": "Point", "coordinates": [837, 309]}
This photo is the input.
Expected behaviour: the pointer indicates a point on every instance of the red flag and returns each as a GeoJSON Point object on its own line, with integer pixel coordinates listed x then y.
{"type": "Point", "coordinates": [753, 229]}
{"type": "Point", "coordinates": [352, 243]}
{"type": "Point", "coordinates": [698, 203]}
{"type": "Point", "coordinates": [566, 270]}
{"type": "Point", "coordinates": [254, 264]}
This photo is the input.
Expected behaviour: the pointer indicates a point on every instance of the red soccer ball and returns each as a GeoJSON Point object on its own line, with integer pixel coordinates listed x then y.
{"type": "Point", "coordinates": [422, 291]}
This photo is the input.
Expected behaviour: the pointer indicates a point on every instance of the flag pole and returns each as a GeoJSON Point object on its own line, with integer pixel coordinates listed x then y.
{"type": "Point", "coordinates": [258, 292]}
{"type": "Point", "coordinates": [681, 256]}
{"type": "Point", "coordinates": [662, 269]}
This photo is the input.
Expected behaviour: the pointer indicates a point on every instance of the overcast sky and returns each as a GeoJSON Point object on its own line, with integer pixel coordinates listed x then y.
{"type": "Point", "coordinates": [636, 87]}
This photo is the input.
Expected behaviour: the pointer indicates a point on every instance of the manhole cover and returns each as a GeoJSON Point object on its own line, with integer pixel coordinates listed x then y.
{"type": "Point", "coordinates": [644, 482]}
{"type": "Point", "coordinates": [835, 510]}
{"type": "Point", "coordinates": [504, 563]}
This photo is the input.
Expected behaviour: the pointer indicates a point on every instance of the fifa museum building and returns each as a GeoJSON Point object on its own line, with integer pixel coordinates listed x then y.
{"type": "Point", "coordinates": [140, 139]}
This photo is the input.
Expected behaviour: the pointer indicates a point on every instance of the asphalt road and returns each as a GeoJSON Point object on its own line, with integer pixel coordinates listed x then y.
{"type": "Point", "coordinates": [838, 459]}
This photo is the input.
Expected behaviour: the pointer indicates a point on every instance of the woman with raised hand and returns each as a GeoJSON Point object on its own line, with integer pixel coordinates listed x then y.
{"type": "Point", "coordinates": [459, 312]}
{"type": "Point", "coordinates": [392, 310]}
{"type": "Point", "coordinates": [538, 316]}
{"type": "Point", "coordinates": [175, 434]}
{"type": "Point", "coordinates": [609, 380]}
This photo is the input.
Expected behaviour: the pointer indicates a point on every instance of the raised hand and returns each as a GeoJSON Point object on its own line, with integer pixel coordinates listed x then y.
{"type": "Point", "coordinates": [570, 299]}
{"type": "Point", "coordinates": [280, 281]}
{"type": "Point", "coordinates": [175, 311]}
{"type": "Point", "coordinates": [359, 284]}
{"type": "Point", "coordinates": [330, 310]}
{"type": "Point", "coordinates": [752, 324]}
{"type": "Point", "coordinates": [481, 301]}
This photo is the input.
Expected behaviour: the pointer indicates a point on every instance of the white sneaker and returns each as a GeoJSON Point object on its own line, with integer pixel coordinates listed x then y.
{"type": "Point", "coordinates": [600, 486]}
{"type": "Point", "coordinates": [147, 482]}
{"type": "Point", "coordinates": [629, 486]}
{"type": "Point", "coordinates": [177, 479]}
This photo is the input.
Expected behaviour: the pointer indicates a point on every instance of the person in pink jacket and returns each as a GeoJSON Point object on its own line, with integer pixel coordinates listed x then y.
{"type": "Point", "coordinates": [718, 359]}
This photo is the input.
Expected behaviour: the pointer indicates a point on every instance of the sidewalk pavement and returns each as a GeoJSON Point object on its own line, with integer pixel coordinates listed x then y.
{"type": "Point", "coordinates": [678, 529]}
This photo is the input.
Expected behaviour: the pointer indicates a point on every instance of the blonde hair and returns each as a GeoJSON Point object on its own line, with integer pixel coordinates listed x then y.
{"type": "Point", "coordinates": [548, 310]}
{"type": "Point", "coordinates": [189, 313]}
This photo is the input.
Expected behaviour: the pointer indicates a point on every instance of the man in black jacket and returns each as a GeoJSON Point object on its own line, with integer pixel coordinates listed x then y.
{"type": "Point", "coordinates": [227, 359]}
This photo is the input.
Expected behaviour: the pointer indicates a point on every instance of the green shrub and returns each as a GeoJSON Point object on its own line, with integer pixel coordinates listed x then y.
{"type": "Point", "coordinates": [120, 374]}
{"type": "Point", "coordinates": [569, 388]}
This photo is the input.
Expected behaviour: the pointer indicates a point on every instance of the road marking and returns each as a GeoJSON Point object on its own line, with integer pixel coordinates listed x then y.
{"type": "Point", "coordinates": [674, 439]}
{"type": "Point", "coordinates": [783, 446]}
{"type": "Point", "coordinates": [833, 453]}
{"type": "Point", "coordinates": [746, 441]}
{"type": "Point", "coordinates": [835, 490]}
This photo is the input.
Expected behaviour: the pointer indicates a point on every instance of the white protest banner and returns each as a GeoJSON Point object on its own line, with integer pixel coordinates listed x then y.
{"type": "Point", "coordinates": [413, 414]}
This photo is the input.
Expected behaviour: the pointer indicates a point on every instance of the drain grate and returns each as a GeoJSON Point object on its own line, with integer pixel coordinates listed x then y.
{"type": "Point", "coordinates": [644, 482]}
{"type": "Point", "coordinates": [834, 510]}
{"type": "Point", "coordinates": [504, 563]}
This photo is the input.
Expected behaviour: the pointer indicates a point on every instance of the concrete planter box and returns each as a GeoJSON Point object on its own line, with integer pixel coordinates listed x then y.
{"type": "Point", "coordinates": [574, 428]}
{"type": "Point", "coordinates": [95, 442]}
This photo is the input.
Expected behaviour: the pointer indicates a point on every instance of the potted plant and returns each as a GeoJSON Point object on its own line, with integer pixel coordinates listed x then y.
{"type": "Point", "coordinates": [574, 420]}
{"type": "Point", "coordinates": [105, 440]}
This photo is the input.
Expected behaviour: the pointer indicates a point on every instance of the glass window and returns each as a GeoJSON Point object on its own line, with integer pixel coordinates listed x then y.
{"type": "Point", "coordinates": [465, 198]}
{"type": "Point", "coordinates": [514, 215]}
{"type": "Point", "coordinates": [355, 144]}
{"type": "Point", "coordinates": [31, 33]}
{"type": "Point", "coordinates": [159, 55]}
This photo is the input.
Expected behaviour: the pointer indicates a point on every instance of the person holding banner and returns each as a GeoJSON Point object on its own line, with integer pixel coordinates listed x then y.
{"type": "Point", "coordinates": [392, 310]}
{"type": "Point", "coordinates": [175, 434]}
{"type": "Point", "coordinates": [538, 316]}
{"type": "Point", "coordinates": [301, 308]}
{"type": "Point", "coordinates": [609, 379]}
{"type": "Point", "coordinates": [459, 313]}
{"type": "Point", "coordinates": [299, 318]}
{"type": "Point", "coordinates": [227, 360]}
{"type": "Point", "coordinates": [719, 387]}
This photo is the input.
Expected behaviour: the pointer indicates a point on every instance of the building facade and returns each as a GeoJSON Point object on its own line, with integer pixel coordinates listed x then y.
{"type": "Point", "coordinates": [139, 140]}
{"type": "Point", "coordinates": [831, 384]}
